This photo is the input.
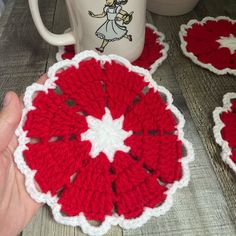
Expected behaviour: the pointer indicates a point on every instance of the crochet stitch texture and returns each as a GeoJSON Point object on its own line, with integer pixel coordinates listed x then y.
{"type": "Point", "coordinates": [225, 129]}
{"type": "Point", "coordinates": [211, 43]}
{"type": "Point", "coordinates": [83, 176]}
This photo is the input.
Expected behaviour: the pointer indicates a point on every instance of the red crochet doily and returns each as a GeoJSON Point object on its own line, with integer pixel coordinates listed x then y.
{"type": "Point", "coordinates": [225, 129]}
{"type": "Point", "coordinates": [154, 52]}
{"type": "Point", "coordinates": [102, 144]}
{"type": "Point", "coordinates": [211, 43]}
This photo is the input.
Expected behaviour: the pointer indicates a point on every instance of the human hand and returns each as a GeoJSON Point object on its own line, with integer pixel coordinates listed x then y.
{"type": "Point", "coordinates": [16, 206]}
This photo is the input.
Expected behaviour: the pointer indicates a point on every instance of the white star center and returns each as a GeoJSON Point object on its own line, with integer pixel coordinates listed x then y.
{"type": "Point", "coordinates": [228, 42]}
{"type": "Point", "coordinates": [106, 135]}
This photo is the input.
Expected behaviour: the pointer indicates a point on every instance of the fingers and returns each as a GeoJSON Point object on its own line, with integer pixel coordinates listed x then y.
{"type": "Point", "coordinates": [41, 80]}
{"type": "Point", "coordinates": [9, 119]}
{"type": "Point", "coordinates": [11, 114]}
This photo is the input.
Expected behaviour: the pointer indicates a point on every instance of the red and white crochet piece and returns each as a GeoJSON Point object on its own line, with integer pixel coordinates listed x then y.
{"type": "Point", "coordinates": [154, 52]}
{"type": "Point", "coordinates": [104, 142]}
{"type": "Point", "coordinates": [211, 43]}
{"type": "Point", "coordinates": [225, 129]}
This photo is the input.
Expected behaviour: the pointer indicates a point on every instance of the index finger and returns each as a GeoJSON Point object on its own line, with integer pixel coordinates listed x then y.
{"type": "Point", "coordinates": [41, 80]}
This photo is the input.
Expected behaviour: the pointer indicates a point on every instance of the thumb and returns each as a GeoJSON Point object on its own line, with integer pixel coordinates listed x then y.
{"type": "Point", "coordinates": [9, 118]}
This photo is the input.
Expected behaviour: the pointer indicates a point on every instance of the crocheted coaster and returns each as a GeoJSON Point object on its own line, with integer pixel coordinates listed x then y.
{"type": "Point", "coordinates": [104, 142]}
{"type": "Point", "coordinates": [225, 129]}
{"type": "Point", "coordinates": [211, 43]}
{"type": "Point", "coordinates": [154, 52]}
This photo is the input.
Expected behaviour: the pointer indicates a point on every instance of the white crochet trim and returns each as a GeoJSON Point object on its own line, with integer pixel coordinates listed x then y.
{"type": "Point", "coordinates": [80, 220]}
{"type": "Point", "coordinates": [219, 125]}
{"type": "Point", "coordinates": [160, 41]}
{"type": "Point", "coordinates": [183, 32]}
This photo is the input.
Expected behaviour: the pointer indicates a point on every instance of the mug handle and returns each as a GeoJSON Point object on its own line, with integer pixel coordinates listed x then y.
{"type": "Point", "coordinates": [51, 38]}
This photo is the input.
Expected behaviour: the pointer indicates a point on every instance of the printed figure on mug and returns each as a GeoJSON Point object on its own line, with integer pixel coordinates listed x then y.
{"type": "Point", "coordinates": [114, 27]}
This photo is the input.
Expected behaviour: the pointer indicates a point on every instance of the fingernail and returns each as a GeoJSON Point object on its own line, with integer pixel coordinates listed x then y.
{"type": "Point", "coordinates": [7, 100]}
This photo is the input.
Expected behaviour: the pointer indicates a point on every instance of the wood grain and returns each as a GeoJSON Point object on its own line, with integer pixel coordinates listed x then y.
{"type": "Point", "coordinates": [23, 52]}
{"type": "Point", "coordinates": [208, 205]}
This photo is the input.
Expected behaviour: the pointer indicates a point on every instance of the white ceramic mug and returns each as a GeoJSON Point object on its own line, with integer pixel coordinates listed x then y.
{"type": "Point", "coordinates": [171, 7]}
{"type": "Point", "coordinates": [106, 26]}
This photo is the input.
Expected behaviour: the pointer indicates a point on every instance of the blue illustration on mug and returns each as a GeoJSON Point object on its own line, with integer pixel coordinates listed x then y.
{"type": "Point", "coordinates": [114, 28]}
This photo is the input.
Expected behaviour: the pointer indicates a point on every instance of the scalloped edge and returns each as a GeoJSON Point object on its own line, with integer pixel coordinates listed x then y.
{"type": "Point", "coordinates": [219, 125]}
{"type": "Point", "coordinates": [183, 32]}
{"type": "Point", "coordinates": [160, 40]}
{"type": "Point", "coordinates": [80, 220]}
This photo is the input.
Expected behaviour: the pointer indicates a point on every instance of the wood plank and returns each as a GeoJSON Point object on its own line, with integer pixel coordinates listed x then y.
{"type": "Point", "coordinates": [226, 8]}
{"type": "Point", "coordinates": [23, 52]}
{"type": "Point", "coordinates": [6, 14]}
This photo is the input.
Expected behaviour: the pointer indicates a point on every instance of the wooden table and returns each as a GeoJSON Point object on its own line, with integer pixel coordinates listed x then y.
{"type": "Point", "coordinates": [208, 205]}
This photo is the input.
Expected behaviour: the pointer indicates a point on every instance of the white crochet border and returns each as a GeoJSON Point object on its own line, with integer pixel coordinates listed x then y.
{"type": "Point", "coordinates": [183, 32]}
{"type": "Point", "coordinates": [219, 125]}
{"type": "Point", "coordinates": [160, 41]}
{"type": "Point", "coordinates": [80, 220]}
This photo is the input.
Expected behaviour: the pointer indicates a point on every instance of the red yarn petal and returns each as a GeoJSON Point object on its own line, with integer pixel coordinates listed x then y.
{"type": "Point", "coordinates": [69, 52]}
{"type": "Point", "coordinates": [67, 55]}
{"type": "Point", "coordinates": [90, 192]}
{"type": "Point", "coordinates": [160, 154]}
{"type": "Point", "coordinates": [56, 162]}
{"type": "Point", "coordinates": [219, 58]}
{"type": "Point", "coordinates": [229, 131]}
{"type": "Point", "coordinates": [233, 106]}
{"type": "Point", "coordinates": [121, 86]}
{"type": "Point", "coordinates": [232, 64]}
{"type": "Point", "coordinates": [70, 48]}
{"type": "Point", "coordinates": [201, 47]}
{"type": "Point", "coordinates": [84, 86]}
{"type": "Point", "coordinates": [53, 118]}
{"type": "Point", "coordinates": [135, 189]}
{"type": "Point", "coordinates": [234, 29]}
{"type": "Point", "coordinates": [150, 113]}
{"type": "Point", "coordinates": [200, 33]}
{"type": "Point", "coordinates": [219, 28]}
